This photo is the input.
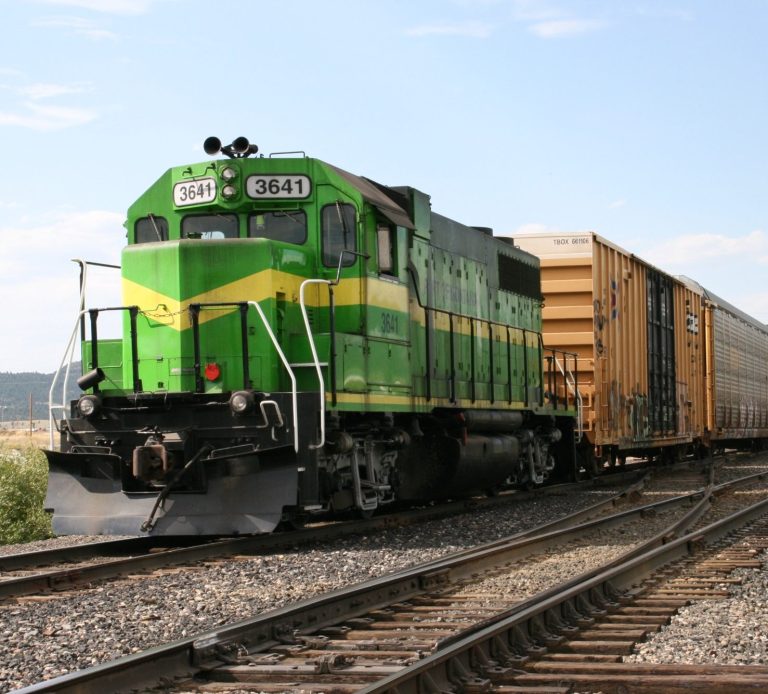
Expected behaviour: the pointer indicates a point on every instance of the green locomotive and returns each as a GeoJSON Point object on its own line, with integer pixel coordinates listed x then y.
{"type": "Point", "coordinates": [298, 339]}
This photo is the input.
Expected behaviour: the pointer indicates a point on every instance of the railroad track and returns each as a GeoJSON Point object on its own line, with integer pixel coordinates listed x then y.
{"type": "Point", "coordinates": [353, 638]}
{"type": "Point", "coordinates": [66, 568]}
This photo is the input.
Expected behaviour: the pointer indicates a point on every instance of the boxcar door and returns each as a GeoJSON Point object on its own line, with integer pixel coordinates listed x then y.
{"type": "Point", "coordinates": [661, 354]}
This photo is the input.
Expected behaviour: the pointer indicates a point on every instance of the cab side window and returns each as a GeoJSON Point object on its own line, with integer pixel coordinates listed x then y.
{"type": "Point", "coordinates": [338, 234]}
{"type": "Point", "coordinates": [151, 228]}
{"type": "Point", "coordinates": [385, 250]}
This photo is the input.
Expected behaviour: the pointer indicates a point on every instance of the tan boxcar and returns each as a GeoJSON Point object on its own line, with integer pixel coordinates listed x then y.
{"type": "Point", "coordinates": [736, 372]}
{"type": "Point", "coordinates": [640, 340]}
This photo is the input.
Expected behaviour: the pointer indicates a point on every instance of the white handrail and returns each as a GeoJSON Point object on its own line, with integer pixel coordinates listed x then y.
{"type": "Point", "coordinates": [315, 358]}
{"type": "Point", "coordinates": [571, 382]}
{"type": "Point", "coordinates": [67, 358]}
{"type": "Point", "coordinates": [68, 354]}
{"type": "Point", "coordinates": [294, 389]}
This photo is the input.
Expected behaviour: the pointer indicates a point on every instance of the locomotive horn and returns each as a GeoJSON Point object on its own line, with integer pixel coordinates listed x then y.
{"type": "Point", "coordinates": [241, 147]}
{"type": "Point", "coordinates": [212, 145]}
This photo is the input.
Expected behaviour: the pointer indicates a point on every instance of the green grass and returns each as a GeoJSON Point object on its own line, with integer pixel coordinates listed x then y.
{"type": "Point", "coordinates": [23, 481]}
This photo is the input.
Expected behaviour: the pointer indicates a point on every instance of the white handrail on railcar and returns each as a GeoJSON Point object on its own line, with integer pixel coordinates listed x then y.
{"type": "Point", "coordinates": [294, 388]}
{"type": "Point", "coordinates": [570, 381]}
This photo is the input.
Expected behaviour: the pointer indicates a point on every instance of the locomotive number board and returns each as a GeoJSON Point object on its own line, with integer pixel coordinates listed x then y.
{"type": "Point", "coordinates": [278, 186]}
{"type": "Point", "coordinates": [194, 192]}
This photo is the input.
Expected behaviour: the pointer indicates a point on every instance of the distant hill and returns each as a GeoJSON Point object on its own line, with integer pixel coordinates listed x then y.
{"type": "Point", "coordinates": [16, 388]}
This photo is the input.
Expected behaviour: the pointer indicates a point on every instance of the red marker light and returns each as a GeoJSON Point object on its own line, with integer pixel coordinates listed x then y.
{"type": "Point", "coordinates": [212, 371]}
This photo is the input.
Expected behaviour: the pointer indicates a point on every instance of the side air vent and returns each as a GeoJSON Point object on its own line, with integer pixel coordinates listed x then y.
{"type": "Point", "coordinates": [519, 277]}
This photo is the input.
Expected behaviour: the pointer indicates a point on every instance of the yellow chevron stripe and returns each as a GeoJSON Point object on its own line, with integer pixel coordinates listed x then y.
{"type": "Point", "coordinates": [259, 287]}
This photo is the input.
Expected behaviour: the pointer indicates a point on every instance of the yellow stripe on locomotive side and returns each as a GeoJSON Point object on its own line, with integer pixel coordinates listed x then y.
{"type": "Point", "coordinates": [266, 284]}
{"type": "Point", "coordinates": [261, 286]}
{"type": "Point", "coordinates": [361, 400]}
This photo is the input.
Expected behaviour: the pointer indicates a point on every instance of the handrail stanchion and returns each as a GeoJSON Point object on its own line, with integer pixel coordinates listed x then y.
{"type": "Point", "coordinates": [294, 388]}
{"type": "Point", "coordinates": [311, 339]}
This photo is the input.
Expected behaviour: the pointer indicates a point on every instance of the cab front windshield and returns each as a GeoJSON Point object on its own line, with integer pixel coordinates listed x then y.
{"type": "Point", "coordinates": [289, 226]}
{"type": "Point", "coordinates": [209, 226]}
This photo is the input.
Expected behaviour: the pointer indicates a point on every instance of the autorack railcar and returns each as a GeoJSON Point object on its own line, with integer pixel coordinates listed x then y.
{"type": "Point", "coordinates": [299, 339]}
{"type": "Point", "coordinates": [736, 374]}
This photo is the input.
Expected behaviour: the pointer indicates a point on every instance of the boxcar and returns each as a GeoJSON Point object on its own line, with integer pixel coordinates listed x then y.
{"type": "Point", "coordinates": [641, 344]}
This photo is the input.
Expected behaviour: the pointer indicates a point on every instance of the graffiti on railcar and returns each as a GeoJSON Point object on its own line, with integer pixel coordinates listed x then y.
{"type": "Point", "coordinates": [628, 412]}
{"type": "Point", "coordinates": [599, 318]}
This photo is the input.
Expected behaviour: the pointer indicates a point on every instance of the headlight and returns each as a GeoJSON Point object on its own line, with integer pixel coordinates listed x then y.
{"type": "Point", "coordinates": [89, 405]}
{"type": "Point", "coordinates": [228, 192]}
{"type": "Point", "coordinates": [229, 174]}
{"type": "Point", "coordinates": [242, 401]}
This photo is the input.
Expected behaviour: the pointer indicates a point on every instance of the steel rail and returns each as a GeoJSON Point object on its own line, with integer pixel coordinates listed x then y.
{"type": "Point", "coordinates": [447, 667]}
{"type": "Point", "coordinates": [46, 557]}
{"type": "Point", "coordinates": [69, 577]}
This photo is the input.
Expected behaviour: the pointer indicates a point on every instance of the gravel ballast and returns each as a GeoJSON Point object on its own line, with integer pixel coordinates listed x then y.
{"type": "Point", "coordinates": [733, 631]}
{"type": "Point", "coordinates": [44, 639]}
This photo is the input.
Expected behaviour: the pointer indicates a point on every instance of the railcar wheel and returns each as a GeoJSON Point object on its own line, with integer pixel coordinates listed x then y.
{"type": "Point", "coordinates": [587, 464]}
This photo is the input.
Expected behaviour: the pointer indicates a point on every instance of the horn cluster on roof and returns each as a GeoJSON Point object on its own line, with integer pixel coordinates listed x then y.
{"type": "Point", "coordinates": [239, 148]}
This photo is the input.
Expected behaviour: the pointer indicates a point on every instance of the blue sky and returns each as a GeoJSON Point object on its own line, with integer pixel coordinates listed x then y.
{"type": "Point", "coordinates": [642, 120]}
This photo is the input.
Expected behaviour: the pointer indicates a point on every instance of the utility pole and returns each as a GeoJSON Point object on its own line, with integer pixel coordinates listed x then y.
{"type": "Point", "coordinates": [30, 415]}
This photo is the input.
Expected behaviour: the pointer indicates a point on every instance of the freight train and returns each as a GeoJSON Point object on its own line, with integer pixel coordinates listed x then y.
{"type": "Point", "coordinates": [665, 367]}
{"type": "Point", "coordinates": [295, 340]}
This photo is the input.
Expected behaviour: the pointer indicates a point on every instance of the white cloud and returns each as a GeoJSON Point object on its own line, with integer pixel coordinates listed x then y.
{"type": "Point", "coordinates": [676, 13]}
{"type": "Point", "coordinates": [47, 91]}
{"type": "Point", "coordinates": [35, 111]}
{"type": "Point", "coordinates": [78, 25]}
{"type": "Point", "coordinates": [564, 27]}
{"type": "Point", "coordinates": [38, 277]}
{"type": "Point", "coordinates": [47, 118]}
{"type": "Point", "coordinates": [541, 18]}
{"type": "Point", "coordinates": [475, 30]}
{"type": "Point", "coordinates": [125, 7]}
{"type": "Point", "coordinates": [755, 305]}
{"type": "Point", "coordinates": [534, 10]}
{"type": "Point", "coordinates": [691, 249]}
{"type": "Point", "coordinates": [729, 266]}
{"type": "Point", "coordinates": [548, 21]}
{"type": "Point", "coordinates": [65, 235]}
{"type": "Point", "coordinates": [616, 204]}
